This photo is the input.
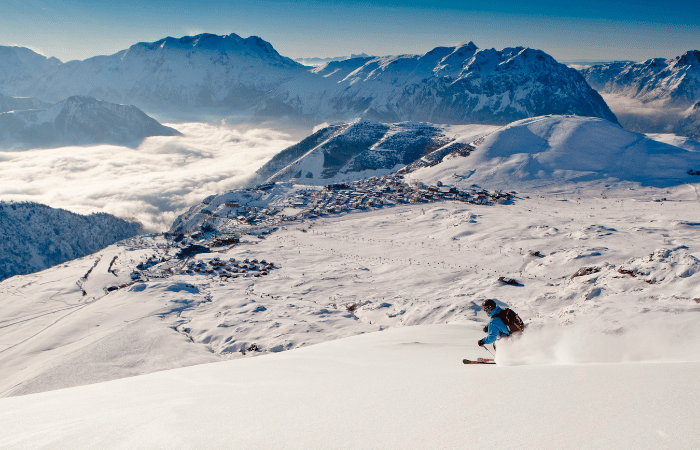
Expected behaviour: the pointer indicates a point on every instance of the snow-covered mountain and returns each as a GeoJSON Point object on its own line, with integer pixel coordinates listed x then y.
{"type": "Point", "coordinates": [78, 120]}
{"type": "Point", "coordinates": [20, 68]}
{"type": "Point", "coordinates": [170, 74]}
{"type": "Point", "coordinates": [360, 149]}
{"type": "Point", "coordinates": [559, 152]}
{"type": "Point", "coordinates": [20, 103]}
{"type": "Point", "coordinates": [690, 124]}
{"type": "Point", "coordinates": [34, 237]}
{"type": "Point", "coordinates": [653, 96]}
{"type": "Point", "coordinates": [461, 84]}
{"type": "Point", "coordinates": [674, 81]}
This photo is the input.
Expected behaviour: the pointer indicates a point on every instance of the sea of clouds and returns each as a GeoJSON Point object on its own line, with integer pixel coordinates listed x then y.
{"type": "Point", "coordinates": [152, 183]}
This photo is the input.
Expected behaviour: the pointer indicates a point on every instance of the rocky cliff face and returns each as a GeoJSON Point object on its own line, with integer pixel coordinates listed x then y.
{"type": "Point", "coordinates": [461, 84]}
{"type": "Point", "coordinates": [78, 120]}
{"type": "Point", "coordinates": [34, 237]}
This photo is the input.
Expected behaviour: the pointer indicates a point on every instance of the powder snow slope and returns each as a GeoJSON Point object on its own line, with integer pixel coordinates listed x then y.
{"type": "Point", "coordinates": [558, 151]}
{"type": "Point", "coordinates": [398, 389]}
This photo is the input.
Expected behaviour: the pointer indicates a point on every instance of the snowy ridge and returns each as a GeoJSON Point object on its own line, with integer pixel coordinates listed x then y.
{"type": "Point", "coordinates": [357, 150]}
{"type": "Point", "coordinates": [79, 120]}
{"type": "Point", "coordinates": [576, 261]}
{"type": "Point", "coordinates": [558, 152]}
{"type": "Point", "coordinates": [654, 96]}
{"type": "Point", "coordinates": [461, 84]}
{"type": "Point", "coordinates": [34, 237]}
{"type": "Point", "coordinates": [675, 81]}
{"type": "Point", "coordinates": [193, 71]}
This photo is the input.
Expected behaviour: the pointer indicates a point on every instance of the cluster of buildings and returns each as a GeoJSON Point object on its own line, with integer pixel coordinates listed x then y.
{"type": "Point", "coordinates": [313, 201]}
{"type": "Point", "coordinates": [230, 268]}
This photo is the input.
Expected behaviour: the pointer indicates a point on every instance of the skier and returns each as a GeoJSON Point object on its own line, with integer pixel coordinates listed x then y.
{"type": "Point", "coordinates": [503, 323]}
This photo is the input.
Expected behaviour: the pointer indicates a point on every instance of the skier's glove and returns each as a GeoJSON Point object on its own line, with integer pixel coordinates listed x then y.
{"type": "Point", "coordinates": [486, 329]}
{"type": "Point", "coordinates": [481, 342]}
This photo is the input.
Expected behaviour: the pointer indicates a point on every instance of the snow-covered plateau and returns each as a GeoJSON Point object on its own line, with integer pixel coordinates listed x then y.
{"type": "Point", "coordinates": [338, 316]}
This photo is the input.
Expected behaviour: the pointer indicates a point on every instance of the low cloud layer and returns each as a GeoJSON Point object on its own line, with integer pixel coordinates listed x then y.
{"type": "Point", "coordinates": [152, 183]}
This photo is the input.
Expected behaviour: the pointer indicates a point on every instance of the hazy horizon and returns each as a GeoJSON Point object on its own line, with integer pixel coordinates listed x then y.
{"type": "Point", "coordinates": [596, 30]}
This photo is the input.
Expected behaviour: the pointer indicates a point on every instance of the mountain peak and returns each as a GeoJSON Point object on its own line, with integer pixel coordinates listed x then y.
{"type": "Point", "coordinates": [226, 44]}
{"type": "Point", "coordinates": [690, 58]}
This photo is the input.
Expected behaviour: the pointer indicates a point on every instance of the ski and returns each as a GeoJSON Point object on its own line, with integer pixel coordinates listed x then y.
{"type": "Point", "coordinates": [479, 361]}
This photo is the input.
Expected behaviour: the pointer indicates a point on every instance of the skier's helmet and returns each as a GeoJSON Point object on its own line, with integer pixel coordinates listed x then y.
{"type": "Point", "coordinates": [488, 305]}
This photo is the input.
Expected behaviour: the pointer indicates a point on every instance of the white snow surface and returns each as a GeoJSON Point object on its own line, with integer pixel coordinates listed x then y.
{"type": "Point", "coordinates": [355, 337]}
{"type": "Point", "coordinates": [398, 389]}
{"type": "Point", "coordinates": [562, 152]}
{"type": "Point", "coordinates": [678, 141]}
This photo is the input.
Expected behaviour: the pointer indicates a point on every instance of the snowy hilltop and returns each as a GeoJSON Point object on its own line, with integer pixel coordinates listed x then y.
{"type": "Point", "coordinates": [561, 152]}
{"type": "Point", "coordinates": [229, 74]}
{"type": "Point", "coordinates": [361, 149]}
{"type": "Point", "coordinates": [78, 120]}
{"type": "Point", "coordinates": [656, 95]}
{"type": "Point", "coordinates": [34, 237]}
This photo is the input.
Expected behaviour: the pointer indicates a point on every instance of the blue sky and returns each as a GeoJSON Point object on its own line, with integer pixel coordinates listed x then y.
{"type": "Point", "coordinates": [592, 30]}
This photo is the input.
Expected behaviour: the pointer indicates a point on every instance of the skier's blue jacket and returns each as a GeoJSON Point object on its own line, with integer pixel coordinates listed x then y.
{"type": "Point", "coordinates": [496, 327]}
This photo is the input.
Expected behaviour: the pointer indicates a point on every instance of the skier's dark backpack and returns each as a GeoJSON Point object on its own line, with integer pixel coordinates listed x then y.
{"type": "Point", "coordinates": [511, 319]}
